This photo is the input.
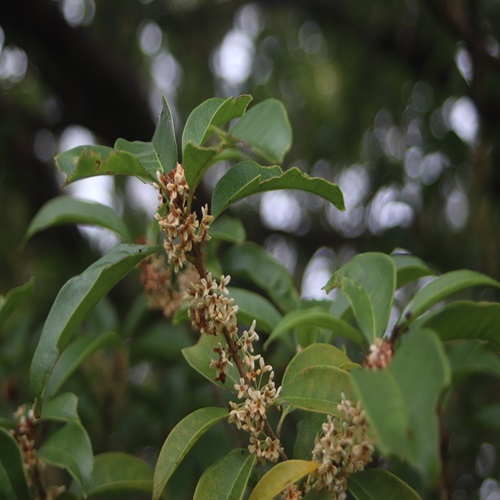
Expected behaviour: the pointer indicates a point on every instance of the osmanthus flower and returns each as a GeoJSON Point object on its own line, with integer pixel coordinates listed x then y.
{"type": "Point", "coordinates": [179, 223]}
{"type": "Point", "coordinates": [379, 355]}
{"type": "Point", "coordinates": [344, 447]}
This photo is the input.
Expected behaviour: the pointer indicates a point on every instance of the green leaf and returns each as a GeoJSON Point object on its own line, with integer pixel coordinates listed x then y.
{"type": "Point", "coordinates": [281, 476]}
{"type": "Point", "coordinates": [248, 178]}
{"type": "Point", "coordinates": [316, 388]}
{"type": "Point", "coordinates": [75, 354]}
{"type": "Point", "coordinates": [74, 301]}
{"type": "Point", "coordinates": [164, 141]}
{"type": "Point", "coordinates": [401, 401]}
{"type": "Point", "coordinates": [70, 448]}
{"type": "Point", "coordinates": [369, 282]}
{"type": "Point", "coordinates": [88, 161]}
{"type": "Point", "coordinates": [310, 427]}
{"type": "Point", "coordinates": [465, 320]}
{"type": "Point", "coordinates": [409, 268]}
{"type": "Point", "coordinates": [144, 152]}
{"type": "Point", "coordinates": [13, 482]}
{"type": "Point", "coordinates": [196, 160]}
{"type": "Point", "coordinates": [199, 356]}
{"type": "Point", "coordinates": [318, 317]}
{"type": "Point", "coordinates": [488, 417]}
{"type": "Point", "coordinates": [252, 306]}
{"type": "Point", "coordinates": [180, 440]}
{"type": "Point", "coordinates": [69, 210]}
{"type": "Point", "coordinates": [211, 114]}
{"type": "Point", "coordinates": [229, 229]}
{"type": "Point", "coordinates": [472, 356]}
{"type": "Point", "coordinates": [266, 129]}
{"type": "Point", "coordinates": [253, 263]}
{"type": "Point", "coordinates": [62, 408]}
{"type": "Point", "coordinates": [119, 472]}
{"type": "Point", "coordinates": [316, 355]}
{"type": "Point", "coordinates": [14, 299]}
{"type": "Point", "coordinates": [379, 484]}
{"type": "Point", "coordinates": [227, 478]}
{"type": "Point", "coordinates": [442, 287]}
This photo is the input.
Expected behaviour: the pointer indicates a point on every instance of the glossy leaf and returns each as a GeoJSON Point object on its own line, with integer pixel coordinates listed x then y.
{"type": "Point", "coordinates": [379, 484]}
{"type": "Point", "coordinates": [119, 472]}
{"type": "Point", "coordinates": [409, 268]}
{"type": "Point", "coordinates": [75, 354]}
{"type": "Point", "coordinates": [252, 306]}
{"type": "Point", "coordinates": [253, 263]}
{"type": "Point", "coordinates": [229, 229]}
{"type": "Point", "coordinates": [74, 301]}
{"type": "Point", "coordinates": [266, 129]}
{"type": "Point", "coordinates": [69, 210]}
{"type": "Point", "coordinates": [196, 160]}
{"type": "Point", "coordinates": [400, 402]}
{"type": "Point", "coordinates": [88, 161]}
{"type": "Point", "coordinates": [369, 282]}
{"type": "Point", "coordinates": [317, 388]}
{"type": "Point", "coordinates": [70, 449]}
{"type": "Point", "coordinates": [248, 178]}
{"type": "Point", "coordinates": [318, 317]}
{"type": "Point", "coordinates": [281, 476]}
{"type": "Point", "coordinates": [62, 408]}
{"type": "Point", "coordinates": [14, 299]}
{"type": "Point", "coordinates": [316, 355]}
{"type": "Point", "coordinates": [212, 113]}
{"type": "Point", "coordinates": [180, 440]}
{"type": "Point", "coordinates": [144, 152]}
{"type": "Point", "coordinates": [227, 478]}
{"type": "Point", "coordinates": [13, 482]}
{"type": "Point", "coordinates": [163, 140]}
{"type": "Point", "coordinates": [441, 288]}
{"type": "Point", "coordinates": [465, 320]}
{"type": "Point", "coordinates": [199, 356]}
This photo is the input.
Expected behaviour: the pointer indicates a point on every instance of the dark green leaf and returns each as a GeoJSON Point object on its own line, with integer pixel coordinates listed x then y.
{"type": "Point", "coordinates": [379, 484]}
{"type": "Point", "coordinates": [488, 417]}
{"type": "Point", "coordinates": [70, 448]}
{"type": "Point", "coordinates": [465, 320]}
{"type": "Point", "coordinates": [441, 288]}
{"type": "Point", "coordinates": [266, 129]}
{"type": "Point", "coordinates": [227, 478]}
{"type": "Point", "coordinates": [163, 140]}
{"type": "Point", "coordinates": [120, 472]}
{"type": "Point", "coordinates": [199, 356]}
{"type": "Point", "coordinates": [14, 299]}
{"type": "Point", "coordinates": [69, 210]}
{"type": "Point", "coordinates": [281, 476]}
{"type": "Point", "coordinates": [317, 317]}
{"type": "Point", "coordinates": [369, 282]}
{"type": "Point", "coordinates": [310, 427]}
{"type": "Point", "coordinates": [472, 356]}
{"type": "Point", "coordinates": [180, 440]}
{"type": "Point", "coordinates": [75, 354]}
{"type": "Point", "coordinates": [253, 263]}
{"type": "Point", "coordinates": [196, 160]}
{"type": "Point", "coordinates": [316, 388]}
{"type": "Point", "coordinates": [74, 301]}
{"type": "Point", "coordinates": [248, 178]}
{"type": "Point", "coordinates": [229, 229]}
{"type": "Point", "coordinates": [62, 408]}
{"type": "Point", "coordinates": [212, 113]}
{"type": "Point", "coordinates": [13, 481]}
{"type": "Point", "coordinates": [409, 268]}
{"type": "Point", "coordinates": [253, 306]}
{"type": "Point", "coordinates": [88, 161]}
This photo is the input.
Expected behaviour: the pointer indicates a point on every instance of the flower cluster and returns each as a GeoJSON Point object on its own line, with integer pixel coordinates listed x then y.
{"type": "Point", "coordinates": [344, 447]}
{"type": "Point", "coordinates": [182, 227]}
{"type": "Point", "coordinates": [250, 414]}
{"type": "Point", "coordinates": [379, 355]}
{"type": "Point", "coordinates": [210, 309]}
{"type": "Point", "coordinates": [24, 434]}
{"type": "Point", "coordinates": [162, 293]}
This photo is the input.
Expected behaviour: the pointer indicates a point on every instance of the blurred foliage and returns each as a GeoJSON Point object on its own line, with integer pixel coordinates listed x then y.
{"type": "Point", "coordinates": [398, 102]}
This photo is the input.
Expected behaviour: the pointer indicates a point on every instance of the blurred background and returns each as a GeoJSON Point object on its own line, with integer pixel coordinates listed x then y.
{"type": "Point", "coordinates": [397, 101]}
